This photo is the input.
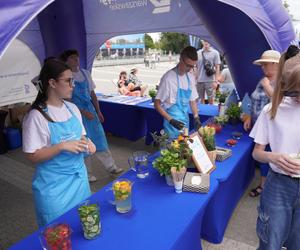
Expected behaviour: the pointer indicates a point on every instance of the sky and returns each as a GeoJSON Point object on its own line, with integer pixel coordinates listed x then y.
{"type": "Point", "coordinates": [294, 7]}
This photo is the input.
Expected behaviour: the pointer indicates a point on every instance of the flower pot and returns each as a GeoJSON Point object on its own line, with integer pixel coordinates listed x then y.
{"type": "Point", "coordinates": [233, 121]}
{"type": "Point", "coordinates": [152, 98]}
{"type": "Point", "coordinates": [169, 180]}
{"type": "Point", "coordinates": [212, 156]}
{"type": "Point", "coordinates": [222, 109]}
{"type": "Point", "coordinates": [178, 176]}
{"type": "Point", "coordinates": [178, 186]}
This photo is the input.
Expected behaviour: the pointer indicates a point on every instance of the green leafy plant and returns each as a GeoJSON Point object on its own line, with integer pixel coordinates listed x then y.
{"type": "Point", "coordinates": [152, 93]}
{"type": "Point", "coordinates": [208, 136]}
{"type": "Point", "coordinates": [167, 160]}
{"type": "Point", "coordinates": [222, 119]}
{"type": "Point", "coordinates": [177, 154]}
{"type": "Point", "coordinates": [234, 112]}
{"type": "Point", "coordinates": [223, 96]}
{"type": "Point", "coordinates": [161, 140]}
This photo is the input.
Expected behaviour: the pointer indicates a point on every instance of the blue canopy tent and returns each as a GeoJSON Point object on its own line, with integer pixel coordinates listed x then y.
{"type": "Point", "coordinates": [241, 29]}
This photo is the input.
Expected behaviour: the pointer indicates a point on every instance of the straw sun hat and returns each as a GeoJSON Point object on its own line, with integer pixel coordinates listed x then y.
{"type": "Point", "coordinates": [268, 56]}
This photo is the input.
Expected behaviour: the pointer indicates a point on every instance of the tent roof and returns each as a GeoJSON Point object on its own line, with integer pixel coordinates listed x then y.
{"type": "Point", "coordinates": [49, 26]}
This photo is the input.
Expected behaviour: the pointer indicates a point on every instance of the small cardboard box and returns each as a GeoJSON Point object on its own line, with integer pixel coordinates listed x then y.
{"type": "Point", "coordinates": [196, 182]}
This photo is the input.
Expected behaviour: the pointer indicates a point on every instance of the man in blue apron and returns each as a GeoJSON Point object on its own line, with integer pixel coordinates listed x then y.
{"type": "Point", "coordinates": [85, 99]}
{"type": "Point", "coordinates": [177, 90]}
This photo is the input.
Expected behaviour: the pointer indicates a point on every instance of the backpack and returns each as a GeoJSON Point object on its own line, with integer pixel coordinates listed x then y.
{"type": "Point", "coordinates": [208, 66]}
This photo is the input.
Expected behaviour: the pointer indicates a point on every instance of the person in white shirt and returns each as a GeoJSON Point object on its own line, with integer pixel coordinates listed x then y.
{"type": "Point", "coordinates": [278, 222]}
{"type": "Point", "coordinates": [85, 99]}
{"type": "Point", "coordinates": [153, 61]}
{"type": "Point", "coordinates": [225, 81]}
{"type": "Point", "coordinates": [176, 92]}
{"type": "Point", "coordinates": [269, 63]}
{"type": "Point", "coordinates": [54, 139]}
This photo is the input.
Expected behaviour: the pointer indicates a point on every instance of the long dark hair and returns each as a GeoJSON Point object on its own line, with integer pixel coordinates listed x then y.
{"type": "Point", "coordinates": [281, 86]}
{"type": "Point", "coordinates": [52, 69]}
{"type": "Point", "coordinates": [67, 53]}
{"type": "Point", "coordinates": [122, 73]}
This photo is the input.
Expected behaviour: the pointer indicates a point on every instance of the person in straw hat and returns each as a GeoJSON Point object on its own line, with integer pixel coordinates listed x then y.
{"type": "Point", "coordinates": [278, 222]}
{"type": "Point", "coordinates": [260, 97]}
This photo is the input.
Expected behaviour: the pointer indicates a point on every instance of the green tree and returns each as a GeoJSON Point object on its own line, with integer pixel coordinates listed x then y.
{"type": "Point", "coordinates": [287, 8]}
{"type": "Point", "coordinates": [149, 44]}
{"type": "Point", "coordinates": [157, 45]}
{"type": "Point", "coordinates": [173, 41]}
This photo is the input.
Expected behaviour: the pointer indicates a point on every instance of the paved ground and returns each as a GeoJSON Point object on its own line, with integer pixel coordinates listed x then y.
{"type": "Point", "coordinates": [103, 76]}
{"type": "Point", "coordinates": [16, 204]}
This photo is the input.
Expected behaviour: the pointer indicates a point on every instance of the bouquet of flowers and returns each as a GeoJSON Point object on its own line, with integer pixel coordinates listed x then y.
{"type": "Point", "coordinates": [208, 136]}
{"type": "Point", "coordinates": [177, 154]}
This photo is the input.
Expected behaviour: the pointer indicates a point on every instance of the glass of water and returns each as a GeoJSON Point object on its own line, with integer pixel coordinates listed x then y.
{"type": "Point", "coordinates": [138, 162]}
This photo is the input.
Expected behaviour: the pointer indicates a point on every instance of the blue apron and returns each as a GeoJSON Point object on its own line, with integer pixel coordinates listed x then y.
{"type": "Point", "coordinates": [179, 110]}
{"type": "Point", "coordinates": [94, 130]}
{"type": "Point", "coordinates": [60, 183]}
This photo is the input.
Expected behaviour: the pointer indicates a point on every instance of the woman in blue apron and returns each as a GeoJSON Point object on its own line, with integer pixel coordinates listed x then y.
{"type": "Point", "coordinates": [89, 107]}
{"type": "Point", "coordinates": [60, 181]}
{"type": "Point", "coordinates": [175, 109]}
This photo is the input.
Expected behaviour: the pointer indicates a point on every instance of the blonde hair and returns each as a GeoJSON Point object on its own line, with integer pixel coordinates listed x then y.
{"type": "Point", "coordinates": [292, 84]}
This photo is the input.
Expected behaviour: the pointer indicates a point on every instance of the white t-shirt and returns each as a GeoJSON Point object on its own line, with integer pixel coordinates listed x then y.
{"type": "Point", "coordinates": [226, 75]}
{"type": "Point", "coordinates": [36, 133]}
{"type": "Point", "coordinates": [168, 86]}
{"type": "Point", "coordinates": [282, 133]}
{"type": "Point", "coordinates": [80, 77]}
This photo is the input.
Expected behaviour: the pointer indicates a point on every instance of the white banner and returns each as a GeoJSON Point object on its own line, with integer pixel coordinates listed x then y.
{"type": "Point", "coordinates": [17, 67]}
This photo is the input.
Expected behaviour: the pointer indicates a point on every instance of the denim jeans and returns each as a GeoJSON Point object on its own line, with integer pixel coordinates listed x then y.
{"type": "Point", "coordinates": [264, 169]}
{"type": "Point", "coordinates": [278, 222]}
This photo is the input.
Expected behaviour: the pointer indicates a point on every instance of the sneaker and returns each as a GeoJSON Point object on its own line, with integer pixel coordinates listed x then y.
{"type": "Point", "coordinates": [92, 178]}
{"type": "Point", "coordinates": [116, 170]}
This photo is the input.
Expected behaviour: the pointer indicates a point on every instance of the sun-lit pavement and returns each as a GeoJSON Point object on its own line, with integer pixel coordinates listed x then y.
{"type": "Point", "coordinates": [103, 76]}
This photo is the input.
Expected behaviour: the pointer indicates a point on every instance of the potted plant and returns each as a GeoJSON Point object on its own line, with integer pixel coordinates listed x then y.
{"type": "Point", "coordinates": [161, 140]}
{"type": "Point", "coordinates": [221, 105]}
{"type": "Point", "coordinates": [234, 114]}
{"type": "Point", "coordinates": [152, 94]}
{"type": "Point", "coordinates": [176, 156]}
{"type": "Point", "coordinates": [208, 136]}
{"type": "Point", "coordinates": [221, 119]}
{"type": "Point", "coordinates": [222, 97]}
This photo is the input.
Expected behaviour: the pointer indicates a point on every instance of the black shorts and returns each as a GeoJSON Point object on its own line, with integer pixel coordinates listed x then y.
{"type": "Point", "coordinates": [136, 88]}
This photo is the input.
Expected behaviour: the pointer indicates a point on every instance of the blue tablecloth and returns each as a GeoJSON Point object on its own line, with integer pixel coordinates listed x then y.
{"type": "Point", "coordinates": [133, 121]}
{"type": "Point", "coordinates": [123, 120]}
{"type": "Point", "coordinates": [233, 175]}
{"type": "Point", "coordinates": [154, 120]}
{"type": "Point", "coordinates": [160, 219]}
